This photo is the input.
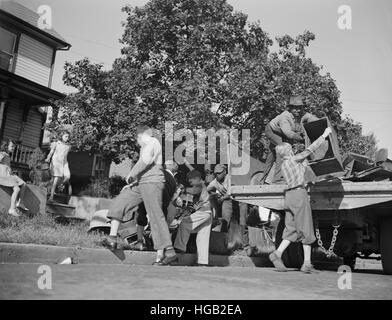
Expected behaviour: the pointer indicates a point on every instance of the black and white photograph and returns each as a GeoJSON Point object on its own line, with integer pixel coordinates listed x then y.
{"type": "Point", "coordinates": [190, 156]}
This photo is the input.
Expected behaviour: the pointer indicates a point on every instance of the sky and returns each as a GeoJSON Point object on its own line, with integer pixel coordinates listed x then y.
{"type": "Point", "coordinates": [359, 59]}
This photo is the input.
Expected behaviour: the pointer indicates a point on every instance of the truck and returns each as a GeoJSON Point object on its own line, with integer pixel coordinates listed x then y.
{"type": "Point", "coordinates": [357, 214]}
{"type": "Point", "coordinates": [352, 210]}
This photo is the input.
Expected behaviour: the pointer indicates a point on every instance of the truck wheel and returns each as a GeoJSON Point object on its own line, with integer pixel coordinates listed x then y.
{"type": "Point", "coordinates": [293, 257]}
{"type": "Point", "coordinates": [350, 261]}
{"type": "Point", "coordinates": [386, 244]}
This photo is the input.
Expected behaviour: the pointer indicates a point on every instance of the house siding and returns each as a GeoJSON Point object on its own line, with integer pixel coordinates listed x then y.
{"type": "Point", "coordinates": [34, 60]}
{"type": "Point", "coordinates": [13, 121]}
{"type": "Point", "coordinates": [31, 135]}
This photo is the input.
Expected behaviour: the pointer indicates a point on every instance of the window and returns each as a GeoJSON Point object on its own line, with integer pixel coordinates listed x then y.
{"type": "Point", "coordinates": [7, 48]}
{"type": "Point", "coordinates": [99, 166]}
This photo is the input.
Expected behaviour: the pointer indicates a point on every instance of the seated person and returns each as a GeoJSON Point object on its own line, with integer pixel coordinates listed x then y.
{"type": "Point", "coordinates": [232, 211]}
{"type": "Point", "coordinates": [197, 222]}
{"type": "Point", "coordinates": [7, 179]}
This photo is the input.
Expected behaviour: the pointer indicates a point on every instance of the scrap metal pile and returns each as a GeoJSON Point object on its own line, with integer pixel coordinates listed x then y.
{"type": "Point", "coordinates": [359, 168]}
{"type": "Point", "coordinates": [327, 162]}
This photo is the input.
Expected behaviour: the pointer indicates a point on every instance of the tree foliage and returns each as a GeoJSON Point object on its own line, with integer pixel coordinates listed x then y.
{"type": "Point", "coordinates": [182, 57]}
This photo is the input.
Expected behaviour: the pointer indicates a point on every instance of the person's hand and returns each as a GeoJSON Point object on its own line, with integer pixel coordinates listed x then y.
{"type": "Point", "coordinates": [125, 187]}
{"type": "Point", "coordinates": [327, 132]}
{"type": "Point", "coordinates": [129, 179]}
{"type": "Point", "coordinates": [47, 160]}
{"type": "Point", "coordinates": [178, 202]}
{"type": "Point", "coordinates": [226, 196]}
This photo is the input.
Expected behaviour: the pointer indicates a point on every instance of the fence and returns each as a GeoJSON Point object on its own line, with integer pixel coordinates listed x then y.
{"type": "Point", "coordinates": [21, 154]}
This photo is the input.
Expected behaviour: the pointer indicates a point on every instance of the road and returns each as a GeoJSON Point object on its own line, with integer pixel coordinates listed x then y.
{"type": "Point", "coordinates": [88, 281]}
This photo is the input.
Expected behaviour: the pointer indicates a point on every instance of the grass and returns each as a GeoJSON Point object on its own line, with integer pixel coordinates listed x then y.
{"type": "Point", "coordinates": [44, 229]}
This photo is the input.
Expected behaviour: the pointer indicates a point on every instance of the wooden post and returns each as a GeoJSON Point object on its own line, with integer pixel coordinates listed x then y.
{"type": "Point", "coordinates": [229, 161]}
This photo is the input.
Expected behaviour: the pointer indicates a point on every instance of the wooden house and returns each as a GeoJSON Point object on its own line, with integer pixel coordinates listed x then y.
{"type": "Point", "coordinates": [27, 56]}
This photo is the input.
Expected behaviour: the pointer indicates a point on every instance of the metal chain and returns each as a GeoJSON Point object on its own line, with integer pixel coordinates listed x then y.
{"type": "Point", "coordinates": [335, 233]}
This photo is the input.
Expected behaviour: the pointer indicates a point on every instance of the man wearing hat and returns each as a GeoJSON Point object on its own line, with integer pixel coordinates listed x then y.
{"type": "Point", "coordinates": [230, 209]}
{"type": "Point", "coordinates": [283, 129]}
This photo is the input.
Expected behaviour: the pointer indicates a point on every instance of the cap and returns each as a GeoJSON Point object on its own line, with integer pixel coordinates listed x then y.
{"type": "Point", "coordinates": [296, 101]}
{"type": "Point", "coordinates": [219, 168]}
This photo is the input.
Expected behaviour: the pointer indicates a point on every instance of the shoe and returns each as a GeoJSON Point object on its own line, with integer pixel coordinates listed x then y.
{"type": "Point", "coordinates": [308, 268]}
{"type": "Point", "coordinates": [110, 243]}
{"type": "Point", "coordinates": [21, 206]}
{"type": "Point", "coordinates": [167, 261]}
{"type": "Point", "coordinates": [13, 213]}
{"type": "Point", "coordinates": [202, 265]}
{"type": "Point", "coordinates": [138, 246]}
{"type": "Point", "coordinates": [157, 262]}
{"type": "Point", "coordinates": [278, 263]}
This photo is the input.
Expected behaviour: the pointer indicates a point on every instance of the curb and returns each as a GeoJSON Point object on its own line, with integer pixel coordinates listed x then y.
{"type": "Point", "coordinates": [46, 254]}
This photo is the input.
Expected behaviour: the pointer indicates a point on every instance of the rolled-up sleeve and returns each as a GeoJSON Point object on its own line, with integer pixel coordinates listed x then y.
{"type": "Point", "coordinates": [287, 129]}
{"type": "Point", "coordinates": [316, 144]}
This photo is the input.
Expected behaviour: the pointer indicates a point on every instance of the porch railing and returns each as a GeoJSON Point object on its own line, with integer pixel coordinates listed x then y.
{"type": "Point", "coordinates": [21, 154]}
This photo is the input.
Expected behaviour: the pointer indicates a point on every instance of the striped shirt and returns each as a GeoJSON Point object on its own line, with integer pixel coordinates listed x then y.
{"type": "Point", "coordinates": [294, 170]}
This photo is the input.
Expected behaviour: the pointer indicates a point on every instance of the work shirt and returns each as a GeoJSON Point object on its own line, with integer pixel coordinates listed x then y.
{"type": "Point", "coordinates": [149, 172]}
{"type": "Point", "coordinates": [285, 124]}
{"type": "Point", "coordinates": [202, 202]}
{"type": "Point", "coordinates": [293, 170]}
{"type": "Point", "coordinates": [221, 188]}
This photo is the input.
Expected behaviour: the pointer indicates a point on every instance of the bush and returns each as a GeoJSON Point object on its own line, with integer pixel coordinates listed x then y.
{"type": "Point", "coordinates": [36, 158]}
{"type": "Point", "coordinates": [116, 183]}
{"type": "Point", "coordinates": [104, 187]}
{"type": "Point", "coordinates": [98, 188]}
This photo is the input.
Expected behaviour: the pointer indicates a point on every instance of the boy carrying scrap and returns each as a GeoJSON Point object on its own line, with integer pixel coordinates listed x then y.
{"type": "Point", "coordinates": [298, 220]}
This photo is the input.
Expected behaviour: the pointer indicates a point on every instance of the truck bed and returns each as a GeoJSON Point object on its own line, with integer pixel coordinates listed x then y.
{"type": "Point", "coordinates": [332, 195]}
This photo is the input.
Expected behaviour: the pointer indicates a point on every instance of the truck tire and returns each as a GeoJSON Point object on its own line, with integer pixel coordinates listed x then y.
{"type": "Point", "coordinates": [386, 244]}
{"type": "Point", "coordinates": [293, 257]}
{"type": "Point", "coordinates": [350, 261]}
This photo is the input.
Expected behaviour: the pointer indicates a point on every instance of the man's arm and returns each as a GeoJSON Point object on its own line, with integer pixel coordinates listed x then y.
{"type": "Point", "coordinates": [146, 158]}
{"type": "Point", "coordinates": [211, 187]}
{"type": "Point", "coordinates": [313, 147]}
{"type": "Point", "coordinates": [188, 165]}
{"type": "Point", "coordinates": [308, 117]}
{"type": "Point", "coordinates": [288, 131]}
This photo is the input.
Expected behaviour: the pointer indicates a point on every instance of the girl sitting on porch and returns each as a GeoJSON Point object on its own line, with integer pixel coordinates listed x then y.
{"type": "Point", "coordinates": [7, 179]}
{"type": "Point", "coordinates": [59, 164]}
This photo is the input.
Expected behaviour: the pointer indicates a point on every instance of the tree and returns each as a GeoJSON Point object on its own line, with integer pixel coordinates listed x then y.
{"type": "Point", "coordinates": [180, 58]}
{"type": "Point", "coordinates": [352, 139]}
{"type": "Point", "coordinates": [258, 90]}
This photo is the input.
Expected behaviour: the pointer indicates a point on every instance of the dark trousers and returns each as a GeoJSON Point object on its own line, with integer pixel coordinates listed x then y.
{"type": "Point", "coordinates": [275, 139]}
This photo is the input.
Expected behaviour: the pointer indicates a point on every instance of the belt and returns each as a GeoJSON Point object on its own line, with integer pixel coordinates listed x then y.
{"type": "Point", "coordinates": [297, 187]}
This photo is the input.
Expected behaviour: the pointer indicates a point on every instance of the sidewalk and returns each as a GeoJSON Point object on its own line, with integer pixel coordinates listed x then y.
{"type": "Point", "coordinates": [45, 254]}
